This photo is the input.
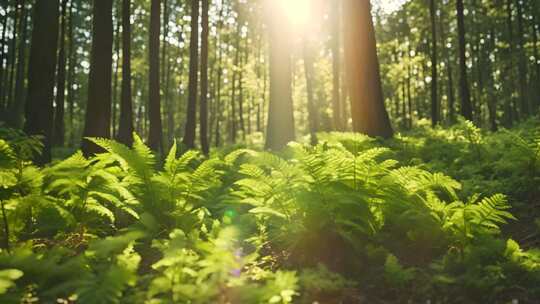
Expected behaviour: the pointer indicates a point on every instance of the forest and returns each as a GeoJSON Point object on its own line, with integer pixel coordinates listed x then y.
{"type": "Point", "coordinates": [269, 151]}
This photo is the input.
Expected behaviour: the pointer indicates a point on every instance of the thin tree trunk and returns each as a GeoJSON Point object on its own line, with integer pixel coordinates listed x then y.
{"type": "Point", "coordinates": [450, 76]}
{"type": "Point", "coordinates": [13, 58]}
{"type": "Point", "coordinates": [71, 73]}
{"type": "Point", "coordinates": [98, 109]}
{"type": "Point", "coordinates": [434, 72]}
{"type": "Point", "coordinates": [125, 129]}
{"type": "Point", "coordinates": [39, 102]}
{"type": "Point", "coordinates": [3, 43]}
{"type": "Point", "coordinates": [336, 61]}
{"type": "Point", "coordinates": [191, 118]}
{"type": "Point", "coordinates": [155, 134]}
{"type": "Point", "coordinates": [59, 126]}
{"type": "Point", "coordinates": [466, 107]}
{"type": "Point", "coordinates": [116, 76]}
{"type": "Point", "coordinates": [204, 79]}
{"type": "Point", "coordinates": [522, 63]}
{"type": "Point", "coordinates": [17, 114]}
{"type": "Point", "coordinates": [310, 84]}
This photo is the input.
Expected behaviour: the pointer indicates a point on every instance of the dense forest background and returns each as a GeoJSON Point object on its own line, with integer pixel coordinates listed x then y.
{"type": "Point", "coordinates": [201, 72]}
{"type": "Point", "coordinates": [269, 151]}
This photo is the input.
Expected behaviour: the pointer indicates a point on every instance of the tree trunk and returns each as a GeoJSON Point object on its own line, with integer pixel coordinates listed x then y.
{"type": "Point", "coordinates": [204, 78]}
{"type": "Point", "coordinates": [39, 102]}
{"type": "Point", "coordinates": [116, 75]}
{"type": "Point", "coordinates": [280, 128]}
{"type": "Point", "coordinates": [522, 64]}
{"type": "Point", "coordinates": [310, 85]}
{"type": "Point", "coordinates": [367, 104]}
{"type": "Point", "coordinates": [98, 109]}
{"type": "Point", "coordinates": [336, 104]}
{"type": "Point", "coordinates": [466, 107]}
{"type": "Point", "coordinates": [125, 129]}
{"type": "Point", "coordinates": [59, 126]}
{"type": "Point", "coordinates": [17, 114]}
{"type": "Point", "coordinates": [155, 134]}
{"type": "Point", "coordinates": [71, 74]}
{"type": "Point", "coordinates": [3, 54]}
{"type": "Point", "coordinates": [191, 118]}
{"type": "Point", "coordinates": [434, 73]}
{"type": "Point", "coordinates": [13, 58]}
{"type": "Point", "coordinates": [449, 71]}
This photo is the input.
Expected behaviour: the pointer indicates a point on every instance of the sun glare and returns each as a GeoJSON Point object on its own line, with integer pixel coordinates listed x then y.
{"type": "Point", "coordinates": [297, 12]}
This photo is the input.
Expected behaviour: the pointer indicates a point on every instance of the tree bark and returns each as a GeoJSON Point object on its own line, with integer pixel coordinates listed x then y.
{"type": "Point", "coordinates": [98, 109]}
{"type": "Point", "coordinates": [17, 114]}
{"type": "Point", "coordinates": [125, 129]}
{"type": "Point", "coordinates": [367, 104]}
{"type": "Point", "coordinates": [280, 128]}
{"type": "Point", "coordinates": [59, 126]}
{"type": "Point", "coordinates": [310, 86]}
{"type": "Point", "coordinates": [336, 61]}
{"type": "Point", "coordinates": [191, 118]}
{"type": "Point", "coordinates": [466, 107]}
{"type": "Point", "coordinates": [434, 72]}
{"type": "Point", "coordinates": [39, 102]}
{"type": "Point", "coordinates": [155, 134]}
{"type": "Point", "coordinates": [203, 128]}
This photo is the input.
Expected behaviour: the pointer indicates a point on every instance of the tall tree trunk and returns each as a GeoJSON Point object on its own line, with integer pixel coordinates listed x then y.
{"type": "Point", "coordinates": [191, 118]}
{"type": "Point", "coordinates": [59, 126]}
{"type": "Point", "coordinates": [3, 54]}
{"type": "Point", "coordinates": [536, 57]}
{"type": "Point", "coordinates": [71, 74]}
{"type": "Point", "coordinates": [310, 85]}
{"type": "Point", "coordinates": [509, 100]}
{"type": "Point", "coordinates": [522, 63]}
{"type": "Point", "coordinates": [125, 129]}
{"type": "Point", "coordinates": [466, 107]}
{"type": "Point", "coordinates": [155, 134]}
{"type": "Point", "coordinates": [98, 109]}
{"type": "Point", "coordinates": [17, 114]}
{"type": "Point", "coordinates": [42, 64]}
{"type": "Point", "coordinates": [219, 114]}
{"type": "Point", "coordinates": [367, 104]}
{"type": "Point", "coordinates": [204, 78]}
{"type": "Point", "coordinates": [450, 76]}
{"type": "Point", "coordinates": [434, 73]}
{"type": "Point", "coordinates": [114, 106]}
{"type": "Point", "coordinates": [13, 48]}
{"type": "Point", "coordinates": [280, 128]}
{"type": "Point", "coordinates": [336, 104]}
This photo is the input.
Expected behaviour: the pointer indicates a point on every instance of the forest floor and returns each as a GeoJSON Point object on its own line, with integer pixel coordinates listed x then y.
{"type": "Point", "coordinates": [447, 215]}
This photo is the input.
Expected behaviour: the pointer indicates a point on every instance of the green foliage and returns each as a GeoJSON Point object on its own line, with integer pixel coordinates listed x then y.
{"type": "Point", "coordinates": [349, 219]}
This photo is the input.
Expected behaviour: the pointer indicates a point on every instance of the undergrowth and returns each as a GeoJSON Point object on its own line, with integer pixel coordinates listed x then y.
{"type": "Point", "coordinates": [440, 215]}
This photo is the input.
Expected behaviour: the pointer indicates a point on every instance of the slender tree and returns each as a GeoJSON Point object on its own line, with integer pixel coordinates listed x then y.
{"type": "Point", "coordinates": [17, 112]}
{"type": "Point", "coordinates": [280, 128]}
{"type": "Point", "coordinates": [466, 106]}
{"type": "Point", "coordinates": [336, 104]}
{"type": "Point", "coordinates": [367, 105]}
{"type": "Point", "coordinates": [189, 135]}
{"type": "Point", "coordinates": [155, 134]}
{"type": "Point", "coordinates": [204, 79]}
{"type": "Point", "coordinates": [125, 129]}
{"type": "Point", "coordinates": [434, 72]}
{"type": "Point", "coordinates": [39, 102]}
{"type": "Point", "coordinates": [98, 109]}
{"type": "Point", "coordinates": [309, 71]}
{"type": "Point", "coordinates": [59, 126]}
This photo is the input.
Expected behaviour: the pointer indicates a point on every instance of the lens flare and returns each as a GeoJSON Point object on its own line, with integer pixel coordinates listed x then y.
{"type": "Point", "coordinates": [297, 12]}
